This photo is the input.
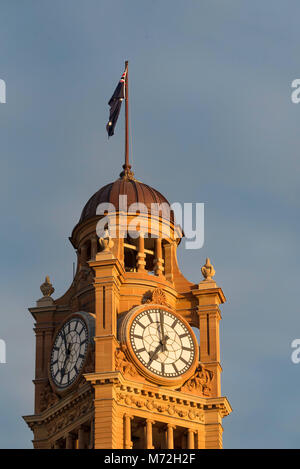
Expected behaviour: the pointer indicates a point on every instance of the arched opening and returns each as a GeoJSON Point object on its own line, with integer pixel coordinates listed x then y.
{"type": "Point", "coordinates": [130, 252]}
{"type": "Point", "coordinates": [150, 254]}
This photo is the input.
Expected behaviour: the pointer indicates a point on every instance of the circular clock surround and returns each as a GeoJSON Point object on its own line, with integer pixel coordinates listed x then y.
{"type": "Point", "coordinates": [70, 349]}
{"type": "Point", "coordinates": [161, 344]}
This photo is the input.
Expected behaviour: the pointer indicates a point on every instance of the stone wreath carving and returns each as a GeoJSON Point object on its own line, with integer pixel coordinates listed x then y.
{"type": "Point", "coordinates": [122, 364]}
{"type": "Point", "coordinates": [200, 382]}
{"type": "Point", "coordinates": [47, 398]}
{"type": "Point", "coordinates": [156, 296]}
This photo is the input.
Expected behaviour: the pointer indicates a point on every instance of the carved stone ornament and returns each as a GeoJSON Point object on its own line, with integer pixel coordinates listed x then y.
{"type": "Point", "coordinates": [90, 362]}
{"type": "Point", "coordinates": [47, 398]}
{"type": "Point", "coordinates": [47, 288]}
{"type": "Point", "coordinates": [106, 242]}
{"type": "Point", "coordinates": [157, 297]}
{"type": "Point", "coordinates": [200, 382]}
{"type": "Point", "coordinates": [123, 365]}
{"type": "Point", "coordinates": [208, 270]}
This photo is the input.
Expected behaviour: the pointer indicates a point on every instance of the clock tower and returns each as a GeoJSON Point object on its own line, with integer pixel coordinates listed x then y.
{"type": "Point", "coordinates": [129, 356]}
{"type": "Point", "coordinates": [118, 363]}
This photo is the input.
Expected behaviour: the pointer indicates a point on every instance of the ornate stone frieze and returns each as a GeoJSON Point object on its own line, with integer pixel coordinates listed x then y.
{"type": "Point", "coordinates": [65, 413]}
{"type": "Point", "coordinates": [185, 410]}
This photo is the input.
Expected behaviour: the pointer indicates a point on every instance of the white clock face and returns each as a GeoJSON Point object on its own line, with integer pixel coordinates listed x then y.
{"type": "Point", "coordinates": [69, 352]}
{"type": "Point", "coordinates": [162, 343]}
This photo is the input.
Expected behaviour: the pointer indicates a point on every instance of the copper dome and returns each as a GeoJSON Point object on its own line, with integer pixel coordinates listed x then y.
{"type": "Point", "coordinates": [136, 192]}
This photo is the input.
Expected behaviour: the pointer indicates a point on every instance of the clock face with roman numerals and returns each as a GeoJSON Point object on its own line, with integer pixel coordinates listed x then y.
{"type": "Point", "coordinates": [162, 342]}
{"type": "Point", "coordinates": [69, 352]}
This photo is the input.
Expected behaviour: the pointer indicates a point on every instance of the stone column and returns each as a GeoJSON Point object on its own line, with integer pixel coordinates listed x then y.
{"type": "Point", "coordinates": [170, 436]}
{"type": "Point", "coordinates": [70, 441]}
{"type": "Point", "coordinates": [190, 439]}
{"type": "Point", "coordinates": [148, 434]}
{"type": "Point", "coordinates": [128, 442]}
{"type": "Point", "coordinates": [81, 437]}
{"type": "Point", "coordinates": [158, 257]}
{"type": "Point", "coordinates": [140, 258]}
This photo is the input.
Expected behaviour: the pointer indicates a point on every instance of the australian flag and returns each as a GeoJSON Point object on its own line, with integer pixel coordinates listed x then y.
{"type": "Point", "coordinates": [115, 103]}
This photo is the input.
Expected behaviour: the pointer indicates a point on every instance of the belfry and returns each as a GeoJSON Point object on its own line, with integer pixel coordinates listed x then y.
{"type": "Point", "coordinates": [129, 356]}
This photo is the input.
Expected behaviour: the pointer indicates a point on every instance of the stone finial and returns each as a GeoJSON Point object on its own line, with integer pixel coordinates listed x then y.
{"type": "Point", "coordinates": [106, 242]}
{"type": "Point", "coordinates": [47, 288]}
{"type": "Point", "coordinates": [208, 270]}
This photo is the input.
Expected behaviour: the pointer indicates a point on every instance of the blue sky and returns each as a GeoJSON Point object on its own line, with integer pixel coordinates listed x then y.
{"type": "Point", "coordinates": [212, 122]}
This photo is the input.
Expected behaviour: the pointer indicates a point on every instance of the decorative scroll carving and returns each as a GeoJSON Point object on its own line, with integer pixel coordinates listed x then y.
{"type": "Point", "coordinates": [47, 398]}
{"type": "Point", "coordinates": [122, 364]}
{"type": "Point", "coordinates": [157, 297]}
{"type": "Point", "coordinates": [208, 270]}
{"type": "Point", "coordinates": [47, 288]}
{"type": "Point", "coordinates": [200, 382]}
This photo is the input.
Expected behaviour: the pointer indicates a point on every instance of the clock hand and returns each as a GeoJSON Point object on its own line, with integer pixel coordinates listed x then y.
{"type": "Point", "coordinates": [162, 330]}
{"type": "Point", "coordinates": [68, 352]}
{"type": "Point", "coordinates": [65, 340]}
{"type": "Point", "coordinates": [154, 354]}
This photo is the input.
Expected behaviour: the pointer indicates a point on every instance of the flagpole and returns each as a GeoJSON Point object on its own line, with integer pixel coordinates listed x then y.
{"type": "Point", "coordinates": [127, 165]}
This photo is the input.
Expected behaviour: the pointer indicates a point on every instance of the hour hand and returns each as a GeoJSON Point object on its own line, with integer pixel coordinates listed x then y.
{"type": "Point", "coordinates": [154, 354]}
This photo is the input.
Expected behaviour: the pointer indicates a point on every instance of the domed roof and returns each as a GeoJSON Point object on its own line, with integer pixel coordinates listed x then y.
{"type": "Point", "coordinates": [134, 190]}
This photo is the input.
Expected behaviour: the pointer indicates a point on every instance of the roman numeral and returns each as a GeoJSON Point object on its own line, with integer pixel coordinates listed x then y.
{"type": "Point", "coordinates": [140, 324]}
{"type": "Point", "coordinates": [174, 323]}
{"type": "Point", "coordinates": [184, 361]}
{"type": "Point", "coordinates": [141, 350]}
{"type": "Point", "coordinates": [137, 336]}
{"type": "Point", "coordinates": [175, 367]}
{"type": "Point", "coordinates": [183, 335]}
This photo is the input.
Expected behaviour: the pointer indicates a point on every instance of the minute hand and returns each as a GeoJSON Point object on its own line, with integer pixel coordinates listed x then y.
{"type": "Point", "coordinates": [162, 330]}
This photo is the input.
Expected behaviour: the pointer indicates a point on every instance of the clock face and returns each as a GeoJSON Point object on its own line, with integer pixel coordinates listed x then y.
{"type": "Point", "coordinates": [69, 352]}
{"type": "Point", "coordinates": [162, 343]}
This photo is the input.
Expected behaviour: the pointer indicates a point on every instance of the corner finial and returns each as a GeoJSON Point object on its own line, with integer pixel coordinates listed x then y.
{"type": "Point", "coordinates": [47, 288]}
{"type": "Point", "coordinates": [106, 242]}
{"type": "Point", "coordinates": [208, 270]}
